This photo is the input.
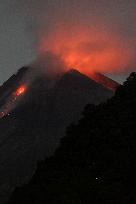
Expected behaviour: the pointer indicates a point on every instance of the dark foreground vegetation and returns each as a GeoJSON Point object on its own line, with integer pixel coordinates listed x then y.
{"type": "Point", "coordinates": [96, 160]}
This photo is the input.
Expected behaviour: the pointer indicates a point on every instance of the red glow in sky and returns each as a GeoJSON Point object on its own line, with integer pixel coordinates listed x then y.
{"type": "Point", "coordinates": [20, 90]}
{"type": "Point", "coordinates": [90, 50]}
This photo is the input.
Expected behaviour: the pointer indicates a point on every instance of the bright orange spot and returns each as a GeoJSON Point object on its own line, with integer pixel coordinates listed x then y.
{"type": "Point", "coordinates": [20, 90]}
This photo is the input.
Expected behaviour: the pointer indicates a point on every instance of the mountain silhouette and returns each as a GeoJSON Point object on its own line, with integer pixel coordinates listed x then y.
{"type": "Point", "coordinates": [96, 160]}
{"type": "Point", "coordinates": [32, 130]}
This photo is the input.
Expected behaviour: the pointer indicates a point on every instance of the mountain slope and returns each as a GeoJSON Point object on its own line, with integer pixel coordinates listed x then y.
{"type": "Point", "coordinates": [105, 81]}
{"type": "Point", "coordinates": [96, 160]}
{"type": "Point", "coordinates": [33, 129]}
{"type": "Point", "coordinates": [67, 100]}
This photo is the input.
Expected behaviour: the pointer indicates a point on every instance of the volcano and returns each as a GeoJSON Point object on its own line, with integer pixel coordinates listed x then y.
{"type": "Point", "coordinates": [32, 130]}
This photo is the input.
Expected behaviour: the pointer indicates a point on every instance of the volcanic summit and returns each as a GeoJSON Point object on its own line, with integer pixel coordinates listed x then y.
{"type": "Point", "coordinates": [31, 130]}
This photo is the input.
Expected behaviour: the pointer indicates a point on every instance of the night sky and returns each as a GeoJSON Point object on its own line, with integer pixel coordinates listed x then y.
{"type": "Point", "coordinates": [24, 22]}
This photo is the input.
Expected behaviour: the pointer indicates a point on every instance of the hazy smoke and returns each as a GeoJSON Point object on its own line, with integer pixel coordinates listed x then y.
{"type": "Point", "coordinates": [90, 49]}
{"type": "Point", "coordinates": [48, 64]}
{"type": "Point", "coordinates": [87, 35]}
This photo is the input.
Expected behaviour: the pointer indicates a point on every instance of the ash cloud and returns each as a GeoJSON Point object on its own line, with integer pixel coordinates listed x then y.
{"type": "Point", "coordinates": [48, 64]}
{"type": "Point", "coordinates": [52, 23]}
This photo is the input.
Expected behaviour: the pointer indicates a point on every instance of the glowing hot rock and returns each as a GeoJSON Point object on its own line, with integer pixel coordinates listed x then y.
{"type": "Point", "coordinates": [20, 90]}
{"type": "Point", "coordinates": [12, 101]}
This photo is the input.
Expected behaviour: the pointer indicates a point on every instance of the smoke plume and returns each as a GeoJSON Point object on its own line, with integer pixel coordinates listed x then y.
{"type": "Point", "coordinates": [91, 36]}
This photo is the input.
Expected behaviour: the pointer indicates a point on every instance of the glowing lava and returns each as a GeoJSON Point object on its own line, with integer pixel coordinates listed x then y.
{"type": "Point", "coordinates": [11, 102]}
{"type": "Point", "coordinates": [20, 90]}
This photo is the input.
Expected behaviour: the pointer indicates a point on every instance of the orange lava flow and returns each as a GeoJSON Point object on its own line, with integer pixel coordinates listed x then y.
{"type": "Point", "coordinates": [12, 101]}
{"type": "Point", "coordinates": [20, 90]}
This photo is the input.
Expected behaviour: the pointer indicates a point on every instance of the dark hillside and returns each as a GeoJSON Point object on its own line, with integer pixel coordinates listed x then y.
{"type": "Point", "coordinates": [32, 130]}
{"type": "Point", "coordinates": [96, 161]}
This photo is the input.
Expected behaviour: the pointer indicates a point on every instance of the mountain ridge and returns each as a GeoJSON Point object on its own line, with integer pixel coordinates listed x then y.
{"type": "Point", "coordinates": [95, 162]}
{"type": "Point", "coordinates": [32, 130]}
